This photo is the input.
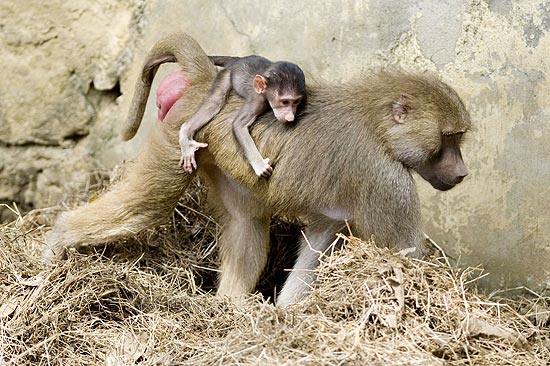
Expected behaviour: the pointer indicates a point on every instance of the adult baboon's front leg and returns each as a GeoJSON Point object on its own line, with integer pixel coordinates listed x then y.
{"type": "Point", "coordinates": [143, 198]}
{"type": "Point", "coordinates": [319, 236]}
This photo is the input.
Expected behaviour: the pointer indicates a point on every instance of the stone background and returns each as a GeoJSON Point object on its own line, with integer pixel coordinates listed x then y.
{"type": "Point", "coordinates": [69, 70]}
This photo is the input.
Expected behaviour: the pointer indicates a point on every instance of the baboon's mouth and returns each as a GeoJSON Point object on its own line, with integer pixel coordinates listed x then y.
{"type": "Point", "coordinates": [440, 185]}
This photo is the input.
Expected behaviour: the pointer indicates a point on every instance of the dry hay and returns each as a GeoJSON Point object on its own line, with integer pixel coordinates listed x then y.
{"type": "Point", "coordinates": [146, 302]}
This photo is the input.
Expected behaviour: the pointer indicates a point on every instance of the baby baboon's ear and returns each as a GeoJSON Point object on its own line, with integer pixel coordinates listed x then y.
{"type": "Point", "coordinates": [260, 84]}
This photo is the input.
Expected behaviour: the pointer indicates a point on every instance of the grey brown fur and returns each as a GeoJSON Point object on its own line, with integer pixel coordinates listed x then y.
{"type": "Point", "coordinates": [350, 158]}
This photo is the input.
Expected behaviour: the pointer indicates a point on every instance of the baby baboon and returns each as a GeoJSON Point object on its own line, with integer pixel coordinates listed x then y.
{"type": "Point", "coordinates": [349, 159]}
{"type": "Point", "coordinates": [260, 82]}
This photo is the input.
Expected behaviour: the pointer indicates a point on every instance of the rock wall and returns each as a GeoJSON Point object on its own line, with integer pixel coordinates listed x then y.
{"type": "Point", "coordinates": [63, 63]}
{"type": "Point", "coordinates": [70, 68]}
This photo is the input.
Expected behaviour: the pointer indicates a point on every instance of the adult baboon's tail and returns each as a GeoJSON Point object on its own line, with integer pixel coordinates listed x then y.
{"type": "Point", "coordinates": [223, 61]}
{"type": "Point", "coordinates": [177, 47]}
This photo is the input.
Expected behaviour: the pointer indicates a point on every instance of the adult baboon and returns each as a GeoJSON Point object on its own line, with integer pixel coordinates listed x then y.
{"type": "Point", "coordinates": [349, 158]}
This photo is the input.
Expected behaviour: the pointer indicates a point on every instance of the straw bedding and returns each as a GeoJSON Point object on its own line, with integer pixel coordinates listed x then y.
{"type": "Point", "coordinates": [149, 301]}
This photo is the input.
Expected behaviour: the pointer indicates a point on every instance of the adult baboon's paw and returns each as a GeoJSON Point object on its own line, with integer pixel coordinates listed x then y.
{"type": "Point", "coordinates": [49, 255]}
{"type": "Point", "coordinates": [51, 251]}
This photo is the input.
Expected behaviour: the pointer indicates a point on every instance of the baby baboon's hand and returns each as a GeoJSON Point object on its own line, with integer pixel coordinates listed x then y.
{"type": "Point", "coordinates": [263, 169]}
{"type": "Point", "coordinates": [188, 148]}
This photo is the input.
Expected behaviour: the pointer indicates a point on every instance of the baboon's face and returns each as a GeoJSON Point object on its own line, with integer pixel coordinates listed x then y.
{"type": "Point", "coordinates": [425, 135]}
{"type": "Point", "coordinates": [446, 168]}
{"type": "Point", "coordinates": [284, 106]}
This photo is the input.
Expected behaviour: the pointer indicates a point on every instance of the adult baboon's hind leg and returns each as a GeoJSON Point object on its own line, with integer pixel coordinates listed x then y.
{"type": "Point", "coordinates": [244, 242]}
{"type": "Point", "coordinates": [143, 198]}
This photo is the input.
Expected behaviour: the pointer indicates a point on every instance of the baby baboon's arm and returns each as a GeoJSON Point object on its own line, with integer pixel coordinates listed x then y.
{"type": "Point", "coordinates": [246, 116]}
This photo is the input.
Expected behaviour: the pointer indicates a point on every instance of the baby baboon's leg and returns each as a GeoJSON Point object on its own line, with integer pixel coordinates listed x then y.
{"type": "Point", "coordinates": [318, 237]}
{"type": "Point", "coordinates": [209, 108]}
{"type": "Point", "coordinates": [143, 198]}
{"type": "Point", "coordinates": [244, 242]}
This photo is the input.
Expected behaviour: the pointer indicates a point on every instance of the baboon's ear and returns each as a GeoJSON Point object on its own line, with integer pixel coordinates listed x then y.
{"type": "Point", "coordinates": [260, 84]}
{"type": "Point", "coordinates": [400, 110]}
